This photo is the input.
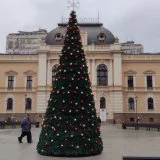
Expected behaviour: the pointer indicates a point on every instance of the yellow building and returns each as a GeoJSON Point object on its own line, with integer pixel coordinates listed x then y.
{"type": "Point", "coordinates": [125, 86]}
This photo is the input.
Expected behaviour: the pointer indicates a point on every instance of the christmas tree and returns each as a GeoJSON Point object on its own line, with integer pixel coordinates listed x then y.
{"type": "Point", "coordinates": [70, 126]}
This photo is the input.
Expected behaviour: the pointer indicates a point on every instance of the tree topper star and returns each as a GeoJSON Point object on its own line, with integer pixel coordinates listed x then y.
{"type": "Point", "coordinates": [73, 4]}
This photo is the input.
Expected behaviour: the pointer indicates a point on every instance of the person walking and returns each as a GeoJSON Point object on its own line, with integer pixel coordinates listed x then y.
{"type": "Point", "coordinates": [26, 130]}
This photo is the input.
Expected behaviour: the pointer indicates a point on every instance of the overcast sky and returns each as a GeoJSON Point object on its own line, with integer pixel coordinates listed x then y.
{"type": "Point", "coordinates": [137, 20]}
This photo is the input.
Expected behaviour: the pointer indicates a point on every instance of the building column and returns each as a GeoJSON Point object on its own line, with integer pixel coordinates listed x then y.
{"type": "Point", "coordinates": [49, 72]}
{"type": "Point", "coordinates": [93, 73]}
{"type": "Point", "coordinates": [110, 74]}
{"type": "Point", "coordinates": [117, 95]}
{"type": "Point", "coordinates": [42, 82]}
{"type": "Point", "coordinates": [117, 70]}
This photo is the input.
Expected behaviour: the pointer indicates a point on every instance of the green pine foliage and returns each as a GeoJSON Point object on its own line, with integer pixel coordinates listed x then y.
{"type": "Point", "coordinates": [70, 126]}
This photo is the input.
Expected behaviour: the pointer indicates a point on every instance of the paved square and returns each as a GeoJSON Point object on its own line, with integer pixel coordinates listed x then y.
{"type": "Point", "coordinates": [117, 143]}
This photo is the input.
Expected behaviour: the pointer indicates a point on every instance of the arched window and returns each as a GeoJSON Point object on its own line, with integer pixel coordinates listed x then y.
{"type": "Point", "coordinates": [102, 75]}
{"type": "Point", "coordinates": [58, 37]}
{"type": "Point", "coordinates": [131, 104]}
{"type": "Point", "coordinates": [101, 37]}
{"type": "Point", "coordinates": [150, 104]}
{"type": "Point", "coordinates": [9, 104]}
{"type": "Point", "coordinates": [28, 104]}
{"type": "Point", "coordinates": [102, 103]}
{"type": "Point", "coordinates": [54, 71]}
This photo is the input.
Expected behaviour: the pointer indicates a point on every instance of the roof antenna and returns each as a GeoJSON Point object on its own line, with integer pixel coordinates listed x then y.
{"type": "Point", "coordinates": [98, 16]}
{"type": "Point", "coordinates": [62, 19]}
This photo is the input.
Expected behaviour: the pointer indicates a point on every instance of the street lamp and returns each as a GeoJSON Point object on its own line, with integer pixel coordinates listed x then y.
{"type": "Point", "coordinates": [25, 103]}
{"type": "Point", "coordinates": [136, 98]}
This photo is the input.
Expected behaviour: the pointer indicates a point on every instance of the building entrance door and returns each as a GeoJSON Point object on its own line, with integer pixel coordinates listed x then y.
{"type": "Point", "coordinates": [103, 116]}
{"type": "Point", "coordinates": [103, 109]}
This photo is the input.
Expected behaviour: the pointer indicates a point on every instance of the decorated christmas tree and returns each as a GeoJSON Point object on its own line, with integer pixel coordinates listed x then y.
{"type": "Point", "coordinates": [70, 126]}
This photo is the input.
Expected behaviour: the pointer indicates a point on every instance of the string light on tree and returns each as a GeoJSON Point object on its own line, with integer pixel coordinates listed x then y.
{"type": "Point", "coordinates": [70, 118]}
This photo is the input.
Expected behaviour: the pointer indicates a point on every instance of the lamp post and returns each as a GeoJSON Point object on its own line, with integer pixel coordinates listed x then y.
{"type": "Point", "coordinates": [25, 96]}
{"type": "Point", "coordinates": [136, 98]}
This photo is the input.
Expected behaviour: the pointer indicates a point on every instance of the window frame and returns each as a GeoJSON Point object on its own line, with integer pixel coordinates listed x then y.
{"type": "Point", "coordinates": [131, 104]}
{"type": "Point", "coordinates": [150, 105]}
{"type": "Point", "coordinates": [149, 82]}
{"type": "Point", "coordinates": [102, 103]}
{"type": "Point", "coordinates": [102, 75]}
{"type": "Point", "coordinates": [28, 103]}
{"type": "Point", "coordinates": [9, 104]}
{"type": "Point", "coordinates": [130, 83]}
{"type": "Point", "coordinates": [11, 79]}
{"type": "Point", "coordinates": [29, 82]}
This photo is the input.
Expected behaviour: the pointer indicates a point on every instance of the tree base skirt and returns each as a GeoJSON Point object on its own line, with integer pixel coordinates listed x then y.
{"type": "Point", "coordinates": [71, 155]}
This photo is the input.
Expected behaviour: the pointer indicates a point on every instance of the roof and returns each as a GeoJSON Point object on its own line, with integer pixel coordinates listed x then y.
{"type": "Point", "coordinates": [93, 30]}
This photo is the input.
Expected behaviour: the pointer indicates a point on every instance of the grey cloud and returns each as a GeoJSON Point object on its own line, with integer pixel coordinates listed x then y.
{"type": "Point", "coordinates": [129, 20]}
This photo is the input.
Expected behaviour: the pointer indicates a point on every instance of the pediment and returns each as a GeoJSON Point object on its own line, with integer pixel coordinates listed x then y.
{"type": "Point", "coordinates": [149, 72]}
{"type": "Point", "coordinates": [29, 72]}
{"type": "Point", "coordinates": [130, 72]}
{"type": "Point", "coordinates": [11, 72]}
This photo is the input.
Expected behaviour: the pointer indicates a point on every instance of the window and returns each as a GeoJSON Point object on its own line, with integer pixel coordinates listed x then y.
{"type": "Point", "coordinates": [150, 104]}
{"type": "Point", "coordinates": [10, 44]}
{"type": "Point", "coordinates": [10, 82]}
{"type": "Point", "coordinates": [102, 75]}
{"type": "Point", "coordinates": [22, 40]}
{"type": "Point", "coordinates": [131, 119]}
{"type": "Point", "coordinates": [131, 103]}
{"type": "Point", "coordinates": [29, 81]}
{"type": "Point", "coordinates": [130, 82]}
{"type": "Point", "coordinates": [17, 44]}
{"type": "Point", "coordinates": [102, 103]}
{"type": "Point", "coordinates": [9, 104]}
{"type": "Point", "coordinates": [101, 37]}
{"type": "Point", "coordinates": [58, 37]}
{"type": "Point", "coordinates": [149, 82]}
{"type": "Point", "coordinates": [28, 104]}
{"type": "Point", "coordinates": [54, 71]}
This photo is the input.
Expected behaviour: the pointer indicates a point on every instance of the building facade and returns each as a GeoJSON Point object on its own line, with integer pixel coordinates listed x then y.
{"type": "Point", "coordinates": [125, 86]}
{"type": "Point", "coordinates": [130, 47]}
{"type": "Point", "coordinates": [24, 42]}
